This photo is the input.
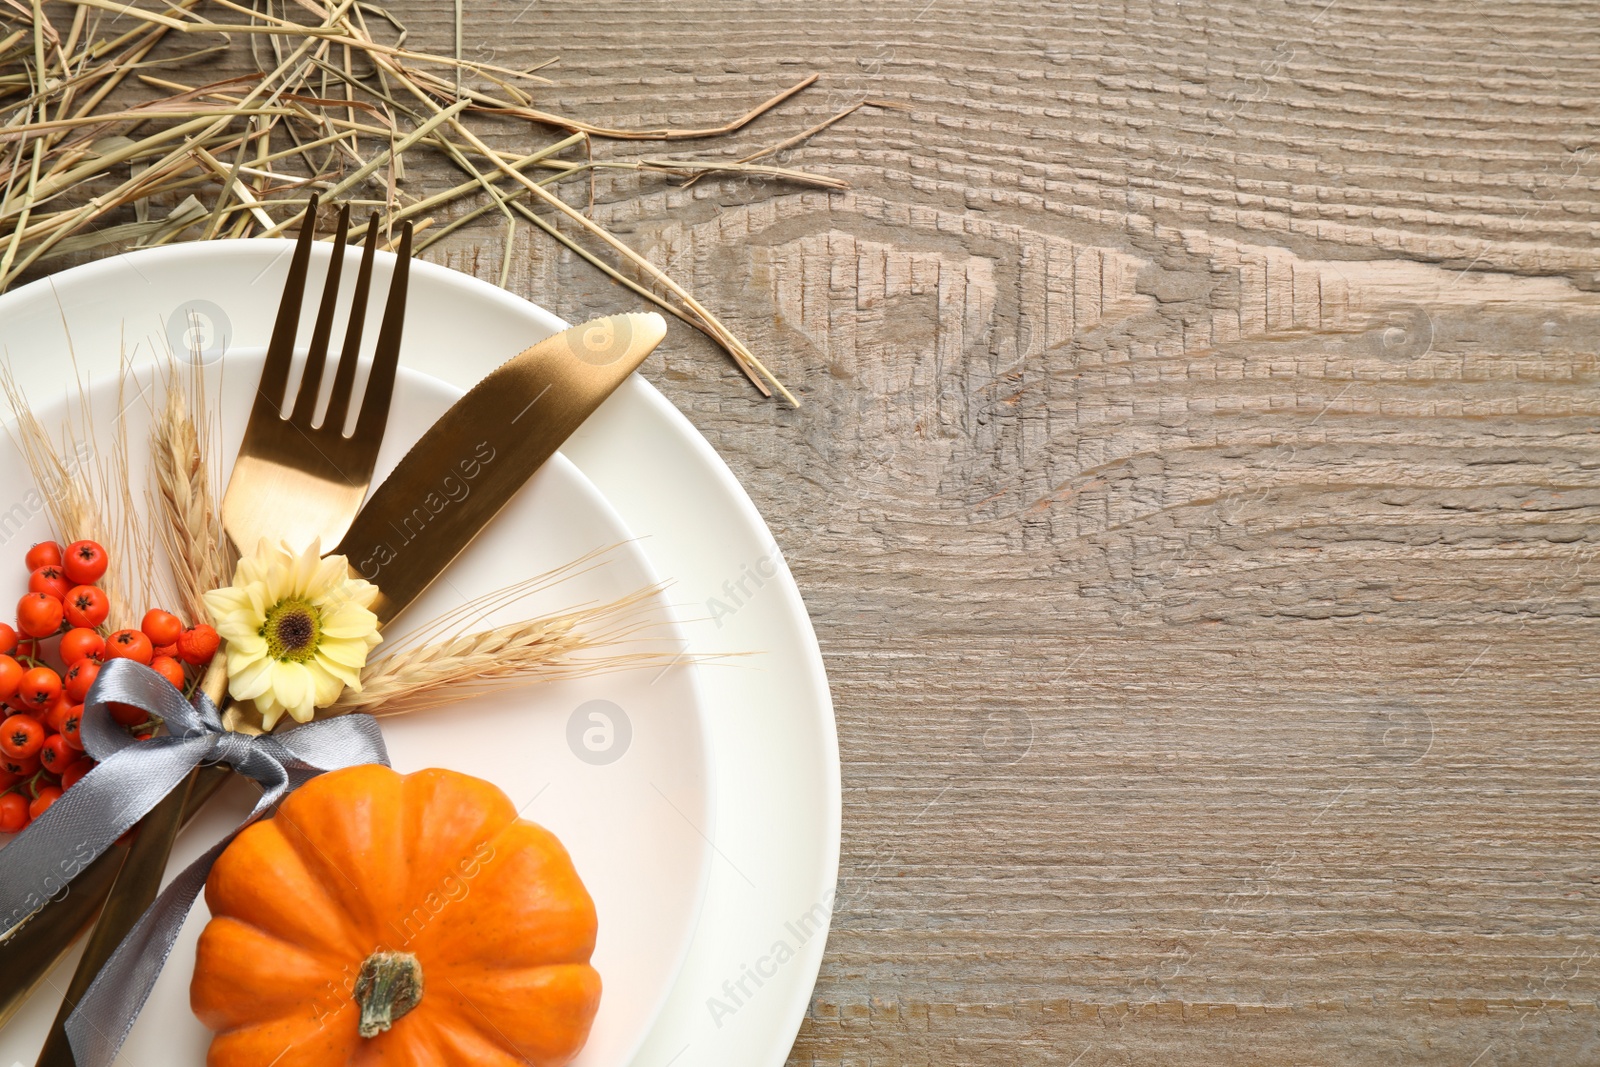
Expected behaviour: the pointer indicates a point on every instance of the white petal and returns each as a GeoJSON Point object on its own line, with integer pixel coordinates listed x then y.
{"type": "Point", "coordinates": [350, 652]}
{"type": "Point", "coordinates": [347, 621]}
{"type": "Point", "coordinates": [330, 573]}
{"type": "Point", "coordinates": [249, 677]}
{"type": "Point", "coordinates": [226, 601]}
{"type": "Point", "coordinates": [238, 625]}
{"type": "Point", "coordinates": [291, 686]}
{"type": "Point", "coordinates": [270, 711]}
{"type": "Point", "coordinates": [327, 686]}
{"type": "Point", "coordinates": [249, 644]}
{"type": "Point", "coordinates": [334, 669]}
{"type": "Point", "coordinates": [303, 573]}
{"type": "Point", "coordinates": [262, 599]}
{"type": "Point", "coordinates": [254, 567]}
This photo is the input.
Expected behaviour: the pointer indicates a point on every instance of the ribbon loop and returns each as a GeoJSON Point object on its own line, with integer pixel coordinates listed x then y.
{"type": "Point", "coordinates": [132, 777]}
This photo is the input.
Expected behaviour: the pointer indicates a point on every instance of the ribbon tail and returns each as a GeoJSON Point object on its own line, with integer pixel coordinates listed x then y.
{"type": "Point", "coordinates": [101, 1021]}
{"type": "Point", "coordinates": [105, 1015]}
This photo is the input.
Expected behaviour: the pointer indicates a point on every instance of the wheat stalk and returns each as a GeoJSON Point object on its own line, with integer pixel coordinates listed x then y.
{"type": "Point", "coordinates": [126, 538]}
{"type": "Point", "coordinates": [520, 653]}
{"type": "Point", "coordinates": [191, 525]}
{"type": "Point", "coordinates": [66, 497]}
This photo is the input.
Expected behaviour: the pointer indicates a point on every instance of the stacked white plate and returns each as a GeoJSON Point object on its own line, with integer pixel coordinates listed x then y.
{"type": "Point", "coordinates": [700, 801]}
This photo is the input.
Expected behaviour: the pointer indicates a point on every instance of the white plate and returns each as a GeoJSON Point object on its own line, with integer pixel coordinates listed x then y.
{"type": "Point", "coordinates": [775, 767]}
{"type": "Point", "coordinates": [626, 801]}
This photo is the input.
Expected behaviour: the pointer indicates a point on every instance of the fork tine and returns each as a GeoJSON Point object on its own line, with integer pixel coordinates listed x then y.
{"type": "Point", "coordinates": [344, 378]}
{"type": "Point", "coordinates": [380, 382]}
{"type": "Point", "coordinates": [280, 350]}
{"type": "Point", "coordinates": [305, 404]}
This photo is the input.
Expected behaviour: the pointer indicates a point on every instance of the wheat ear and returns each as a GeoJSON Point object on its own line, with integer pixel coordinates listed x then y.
{"type": "Point", "coordinates": [191, 526]}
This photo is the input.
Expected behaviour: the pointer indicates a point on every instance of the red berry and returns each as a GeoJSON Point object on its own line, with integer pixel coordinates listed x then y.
{"type": "Point", "coordinates": [129, 644]}
{"type": "Point", "coordinates": [49, 580]}
{"type": "Point", "coordinates": [43, 554]}
{"type": "Point", "coordinates": [14, 817]}
{"type": "Point", "coordinates": [21, 737]}
{"type": "Point", "coordinates": [22, 768]}
{"type": "Point", "coordinates": [39, 614]}
{"type": "Point", "coordinates": [41, 803]}
{"type": "Point", "coordinates": [71, 723]}
{"type": "Point", "coordinates": [84, 562]}
{"type": "Point", "coordinates": [168, 668]}
{"type": "Point", "coordinates": [8, 639]}
{"type": "Point", "coordinates": [10, 677]}
{"type": "Point", "coordinates": [80, 642]}
{"type": "Point", "coordinates": [165, 650]}
{"type": "Point", "coordinates": [55, 754]}
{"type": "Point", "coordinates": [80, 676]}
{"type": "Point", "coordinates": [198, 644]}
{"type": "Point", "coordinates": [127, 714]}
{"type": "Point", "coordinates": [86, 605]}
{"type": "Point", "coordinates": [161, 627]}
{"type": "Point", "coordinates": [39, 687]}
{"type": "Point", "coordinates": [58, 705]}
{"type": "Point", "coordinates": [7, 780]}
{"type": "Point", "coordinates": [74, 771]}
{"type": "Point", "coordinates": [55, 715]}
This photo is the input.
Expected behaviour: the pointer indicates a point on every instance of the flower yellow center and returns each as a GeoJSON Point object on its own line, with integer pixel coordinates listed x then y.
{"type": "Point", "coordinates": [292, 630]}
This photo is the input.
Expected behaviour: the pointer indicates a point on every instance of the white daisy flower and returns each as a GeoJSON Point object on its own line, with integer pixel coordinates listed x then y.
{"type": "Point", "coordinates": [298, 629]}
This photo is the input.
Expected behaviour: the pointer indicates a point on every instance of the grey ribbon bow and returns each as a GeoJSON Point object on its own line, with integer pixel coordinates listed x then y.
{"type": "Point", "coordinates": [133, 776]}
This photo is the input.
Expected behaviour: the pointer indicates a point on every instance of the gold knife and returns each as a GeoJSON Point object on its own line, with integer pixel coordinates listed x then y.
{"type": "Point", "coordinates": [489, 443]}
{"type": "Point", "coordinates": [501, 431]}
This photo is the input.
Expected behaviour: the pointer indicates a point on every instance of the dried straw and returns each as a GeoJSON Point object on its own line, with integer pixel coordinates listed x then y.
{"type": "Point", "coordinates": [84, 167]}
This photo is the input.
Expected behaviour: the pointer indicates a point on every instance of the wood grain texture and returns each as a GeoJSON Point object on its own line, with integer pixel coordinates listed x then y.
{"type": "Point", "coordinates": [1195, 495]}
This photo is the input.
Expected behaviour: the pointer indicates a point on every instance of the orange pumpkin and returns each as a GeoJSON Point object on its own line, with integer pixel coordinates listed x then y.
{"type": "Point", "coordinates": [381, 918]}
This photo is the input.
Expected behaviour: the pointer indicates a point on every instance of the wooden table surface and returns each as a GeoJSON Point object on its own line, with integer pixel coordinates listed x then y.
{"type": "Point", "coordinates": [1195, 494]}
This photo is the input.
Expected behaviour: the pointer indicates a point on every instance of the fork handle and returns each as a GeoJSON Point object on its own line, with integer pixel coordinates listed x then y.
{"type": "Point", "coordinates": [138, 882]}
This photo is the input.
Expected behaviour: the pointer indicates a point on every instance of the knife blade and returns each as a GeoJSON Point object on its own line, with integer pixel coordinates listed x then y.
{"type": "Point", "coordinates": [460, 473]}
{"type": "Point", "coordinates": [472, 461]}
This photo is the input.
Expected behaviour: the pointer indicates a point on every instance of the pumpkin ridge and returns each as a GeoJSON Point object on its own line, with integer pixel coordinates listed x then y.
{"type": "Point", "coordinates": [259, 1041]}
{"type": "Point", "coordinates": [529, 888]}
{"type": "Point", "coordinates": [302, 882]}
{"type": "Point", "coordinates": [321, 955]}
{"type": "Point", "coordinates": [518, 1016]}
{"type": "Point", "coordinates": [447, 819]}
{"type": "Point", "coordinates": [353, 794]}
{"type": "Point", "coordinates": [251, 977]}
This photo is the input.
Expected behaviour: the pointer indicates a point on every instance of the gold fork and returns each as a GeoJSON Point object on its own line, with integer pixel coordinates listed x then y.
{"type": "Point", "coordinates": [294, 480]}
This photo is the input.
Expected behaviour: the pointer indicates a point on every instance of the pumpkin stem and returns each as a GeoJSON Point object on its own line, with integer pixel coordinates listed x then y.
{"type": "Point", "coordinates": [389, 985]}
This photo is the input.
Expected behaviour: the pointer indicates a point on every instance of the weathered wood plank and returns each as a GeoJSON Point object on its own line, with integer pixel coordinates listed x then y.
{"type": "Point", "coordinates": [1196, 496]}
